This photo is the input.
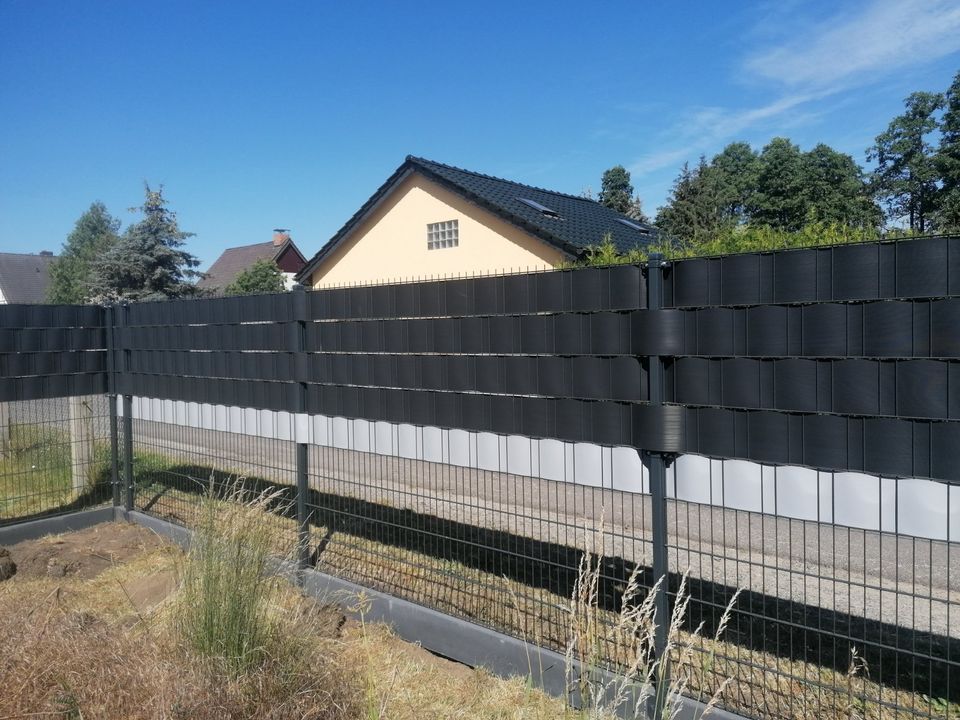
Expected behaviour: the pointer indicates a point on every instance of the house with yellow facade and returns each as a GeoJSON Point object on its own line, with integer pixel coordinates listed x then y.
{"type": "Point", "coordinates": [434, 220]}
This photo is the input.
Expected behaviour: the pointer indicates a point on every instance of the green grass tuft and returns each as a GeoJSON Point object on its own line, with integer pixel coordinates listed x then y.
{"type": "Point", "coordinates": [223, 611]}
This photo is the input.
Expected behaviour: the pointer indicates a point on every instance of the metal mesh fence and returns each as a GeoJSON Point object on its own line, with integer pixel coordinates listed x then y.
{"type": "Point", "coordinates": [459, 443]}
{"type": "Point", "coordinates": [846, 609]}
{"type": "Point", "coordinates": [55, 456]}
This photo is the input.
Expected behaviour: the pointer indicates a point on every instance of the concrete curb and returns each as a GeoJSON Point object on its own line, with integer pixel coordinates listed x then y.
{"type": "Point", "coordinates": [33, 529]}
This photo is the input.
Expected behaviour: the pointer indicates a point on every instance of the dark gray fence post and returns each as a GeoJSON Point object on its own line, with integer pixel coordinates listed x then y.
{"type": "Point", "coordinates": [128, 450]}
{"type": "Point", "coordinates": [123, 316]}
{"type": "Point", "coordinates": [303, 518]}
{"type": "Point", "coordinates": [109, 322]}
{"type": "Point", "coordinates": [657, 466]}
{"type": "Point", "coordinates": [298, 329]}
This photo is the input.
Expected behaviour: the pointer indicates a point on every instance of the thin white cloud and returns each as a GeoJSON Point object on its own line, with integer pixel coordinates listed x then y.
{"type": "Point", "coordinates": [705, 127]}
{"type": "Point", "coordinates": [658, 160]}
{"type": "Point", "coordinates": [851, 48]}
{"type": "Point", "coordinates": [885, 36]}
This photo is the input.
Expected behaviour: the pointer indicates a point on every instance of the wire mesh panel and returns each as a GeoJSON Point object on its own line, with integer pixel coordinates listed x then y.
{"type": "Point", "coordinates": [483, 539]}
{"type": "Point", "coordinates": [55, 456]}
{"type": "Point", "coordinates": [845, 611]}
{"type": "Point", "coordinates": [175, 463]}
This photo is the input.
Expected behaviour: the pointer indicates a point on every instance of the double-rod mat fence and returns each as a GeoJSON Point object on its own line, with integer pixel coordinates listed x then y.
{"type": "Point", "coordinates": [443, 439]}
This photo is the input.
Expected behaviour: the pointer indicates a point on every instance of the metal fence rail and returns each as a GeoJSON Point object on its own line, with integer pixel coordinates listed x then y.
{"type": "Point", "coordinates": [783, 423]}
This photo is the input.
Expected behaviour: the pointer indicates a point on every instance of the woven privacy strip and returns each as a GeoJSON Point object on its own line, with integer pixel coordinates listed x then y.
{"type": "Point", "coordinates": [889, 446]}
{"type": "Point", "coordinates": [842, 357]}
{"type": "Point", "coordinates": [922, 268]}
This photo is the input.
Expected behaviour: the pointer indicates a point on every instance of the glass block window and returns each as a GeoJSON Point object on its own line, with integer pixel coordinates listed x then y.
{"type": "Point", "coordinates": [443, 235]}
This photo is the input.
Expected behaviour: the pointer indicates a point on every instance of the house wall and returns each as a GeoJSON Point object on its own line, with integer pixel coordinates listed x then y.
{"type": "Point", "coordinates": [391, 244]}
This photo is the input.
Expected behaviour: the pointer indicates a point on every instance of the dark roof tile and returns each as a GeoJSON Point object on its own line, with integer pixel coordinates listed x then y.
{"type": "Point", "coordinates": [25, 278]}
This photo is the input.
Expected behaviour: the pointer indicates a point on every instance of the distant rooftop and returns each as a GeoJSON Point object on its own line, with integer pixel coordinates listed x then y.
{"type": "Point", "coordinates": [25, 278]}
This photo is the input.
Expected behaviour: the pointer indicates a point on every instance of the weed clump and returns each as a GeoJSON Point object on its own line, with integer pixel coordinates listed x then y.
{"type": "Point", "coordinates": [611, 663]}
{"type": "Point", "coordinates": [224, 609]}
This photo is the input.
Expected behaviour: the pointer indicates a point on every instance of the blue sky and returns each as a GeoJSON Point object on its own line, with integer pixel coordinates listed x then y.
{"type": "Point", "coordinates": [259, 115]}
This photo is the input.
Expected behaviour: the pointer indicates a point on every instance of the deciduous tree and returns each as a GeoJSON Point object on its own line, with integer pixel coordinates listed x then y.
{"type": "Point", "coordinates": [616, 193]}
{"type": "Point", "coordinates": [948, 160]}
{"type": "Point", "coordinates": [779, 200]}
{"type": "Point", "coordinates": [93, 236]}
{"type": "Point", "coordinates": [262, 277]}
{"type": "Point", "coordinates": [694, 209]}
{"type": "Point", "coordinates": [835, 190]}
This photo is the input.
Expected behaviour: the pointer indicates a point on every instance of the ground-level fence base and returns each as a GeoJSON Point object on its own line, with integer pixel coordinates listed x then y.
{"type": "Point", "coordinates": [453, 638]}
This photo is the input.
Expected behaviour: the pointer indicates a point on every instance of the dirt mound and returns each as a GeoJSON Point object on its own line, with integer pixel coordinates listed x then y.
{"type": "Point", "coordinates": [83, 554]}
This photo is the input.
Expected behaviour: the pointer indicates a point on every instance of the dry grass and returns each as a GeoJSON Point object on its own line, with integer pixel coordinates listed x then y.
{"type": "Point", "coordinates": [763, 684]}
{"type": "Point", "coordinates": [84, 649]}
{"type": "Point", "coordinates": [98, 648]}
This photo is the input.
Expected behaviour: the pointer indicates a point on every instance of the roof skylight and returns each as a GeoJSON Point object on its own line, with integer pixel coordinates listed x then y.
{"type": "Point", "coordinates": [539, 208]}
{"type": "Point", "coordinates": [632, 225]}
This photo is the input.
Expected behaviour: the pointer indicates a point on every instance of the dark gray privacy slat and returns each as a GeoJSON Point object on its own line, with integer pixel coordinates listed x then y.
{"type": "Point", "coordinates": [920, 268]}
{"type": "Point", "coordinates": [254, 336]}
{"type": "Point", "coordinates": [240, 309]}
{"type": "Point", "coordinates": [881, 329]}
{"type": "Point", "coordinates": [601, 333]}
{"type": "Point", "coordinates": [60, 339]}
{"type": "Point", "coordinates": [586, 290]}
{"type": "Point", "coordinates": [882, 446]}
{"type": "Point", "coordinates": [51, 386]}
{"type": "Point", "coordinates": [50, 316]}
{"type": "Point", "coordinates": [52, 363]}
{"type": "Point", "coordinates": [904, 388]}
{"type": "Point", "coordinates": [888, 446]}
{"type": "Point", "coordinates": [606, 378]}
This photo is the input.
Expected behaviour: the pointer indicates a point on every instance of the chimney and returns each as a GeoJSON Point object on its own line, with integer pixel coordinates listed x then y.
{"type": "Point", "coordinates": [280, 236]}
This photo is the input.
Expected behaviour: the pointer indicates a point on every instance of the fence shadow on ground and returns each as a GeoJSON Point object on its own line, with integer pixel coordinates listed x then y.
{"type": "Point", "coordinates": [896, 656]}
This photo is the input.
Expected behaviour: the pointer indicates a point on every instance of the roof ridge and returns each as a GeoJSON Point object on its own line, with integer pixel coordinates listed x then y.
{"type": "Point", "coordinates": [238, 247]}
{"type": "Point", "coordinates": [416, 159]}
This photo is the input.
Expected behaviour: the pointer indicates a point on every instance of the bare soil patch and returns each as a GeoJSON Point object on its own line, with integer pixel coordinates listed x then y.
{"type": "Point", "coordinates": [83, 554]}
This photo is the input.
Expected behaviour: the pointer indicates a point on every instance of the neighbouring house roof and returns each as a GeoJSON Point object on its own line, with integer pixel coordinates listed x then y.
{"type": "Point", "coordinates": [234, 261]}
{"type": "Point", "coordinates": [24, 278]}
{"type": "Point", "coordinates": [575, 223]}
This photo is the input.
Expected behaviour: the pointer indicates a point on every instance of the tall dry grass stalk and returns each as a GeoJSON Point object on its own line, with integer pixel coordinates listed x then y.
{"type": "Point", "coordinates": [610, 660]}
{"type": "Point", "coordinates": [223, 611]}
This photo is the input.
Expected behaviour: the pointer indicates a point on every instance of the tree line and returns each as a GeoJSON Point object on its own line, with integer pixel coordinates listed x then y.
{"type": "Point", "coordinates": [742, 199]}
{"type": "Point", "coordinates": [147, 261]}
{"type": "Point", "coordinates": [781, 196]}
